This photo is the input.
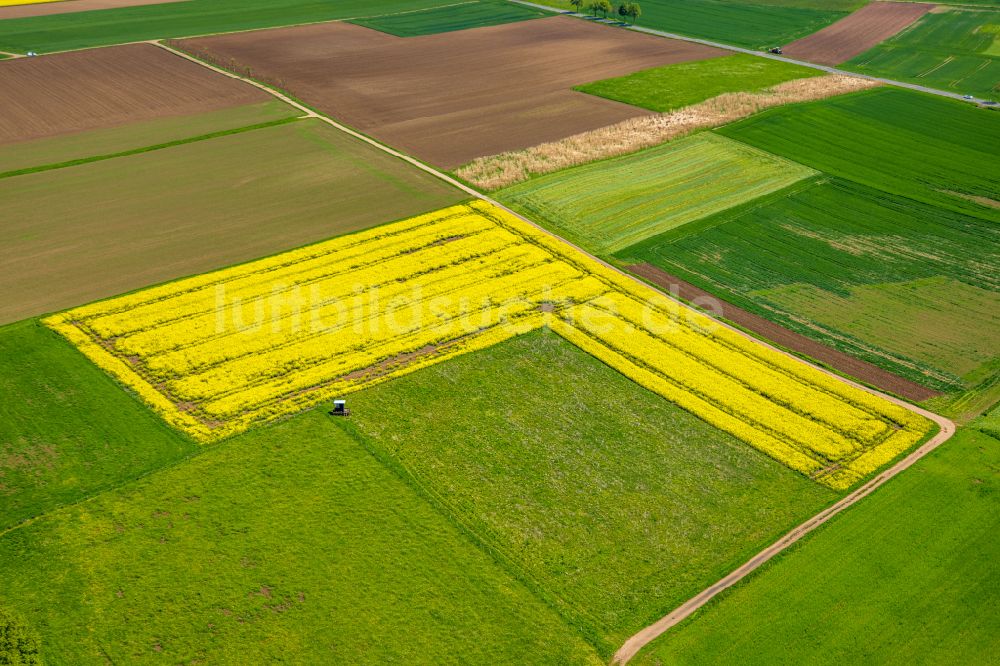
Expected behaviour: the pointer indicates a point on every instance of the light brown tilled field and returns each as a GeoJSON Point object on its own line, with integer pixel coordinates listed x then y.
{"type": "Point", "coordinates": [452, 97]}
{"type": "Point", "coordinates": [82, 233]}
{"type": "Point", "coordinates": [101, 88]}
{"type": "Point", "coordinates": [857, 33]}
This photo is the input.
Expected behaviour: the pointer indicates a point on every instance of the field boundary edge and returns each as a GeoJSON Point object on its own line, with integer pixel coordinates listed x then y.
{"type": "Point", "coordinates": [946, 428]}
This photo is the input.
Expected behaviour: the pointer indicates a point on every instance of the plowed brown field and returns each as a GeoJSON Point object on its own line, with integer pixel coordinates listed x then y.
{"type": "Point", "coordinates": [451, 97]}
{"type": "Point", "coordinates": [45, 9]}
{"type": "Point", "coordinates": [870, 25]}
{"type": "Point", "coordinates": [100, 88]}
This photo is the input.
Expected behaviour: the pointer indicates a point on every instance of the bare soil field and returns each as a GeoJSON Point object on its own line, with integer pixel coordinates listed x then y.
{"type": "Point", "coordinates": [101, 88]}
{"type": "Point", "coordinates": [71, 6]}
{"type": "Point", "coordinates": [871, 374]}
{"type": "Point", "coordinates": [857, 33]}
{"type": "Point", "coordinates": [451, 97]}
{"type": "Point", "coordinates": [81, 233]}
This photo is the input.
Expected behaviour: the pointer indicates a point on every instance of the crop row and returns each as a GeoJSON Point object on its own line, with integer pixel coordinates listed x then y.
{"type": "Point", "coordinates": [219, 353]}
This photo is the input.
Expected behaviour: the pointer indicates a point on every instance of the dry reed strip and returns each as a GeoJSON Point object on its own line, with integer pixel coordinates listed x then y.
{"type": "Point", "coordinates": [497, 171]}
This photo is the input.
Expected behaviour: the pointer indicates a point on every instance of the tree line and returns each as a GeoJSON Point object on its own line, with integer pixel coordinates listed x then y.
{"type": "Point", "coordinates": [630, 10]}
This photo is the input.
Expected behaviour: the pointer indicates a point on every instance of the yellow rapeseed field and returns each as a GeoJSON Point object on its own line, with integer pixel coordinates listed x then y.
{"type": "Point", "coordinates": [12, 3]}
{"type": "Point", "coordinates": [217, 353]}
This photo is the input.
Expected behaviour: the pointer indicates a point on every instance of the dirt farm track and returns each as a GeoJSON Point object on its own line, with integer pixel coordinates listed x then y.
{"type": "Point", "coordinates": [451, 97]}
{"type": "Point", "coordinates": [857, 33]}
{"type": "Point", "coordinates": [106, 88]}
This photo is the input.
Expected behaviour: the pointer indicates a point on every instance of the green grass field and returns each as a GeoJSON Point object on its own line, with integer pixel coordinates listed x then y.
{"type": "Point", "coordinates": [908, 143]}
{"type": "Point", "coordinates": [990, 423]}
{"type": "Point", "coordinates": [79, 30]}
{"type": "Point", "coordinates": [66, 429]}
{"type": "Point", "coordinates": [77, 234]}
{"type": "Point", "coordinates": [615, 503]}
{"type": "Point", "coordinates": [902, 284]}
{"type": "Point", "coordinates": [756, 25]}
{"type": "Point", "coordinates": [135, 136]}
{"type": "Point", "coordinates": [522, 503]}
{"type": "Point", "coordinates": [955, 50]}
{"type": "Point", "coordinates": [606, 206]}
{"type": "Point", "coordinates": [907, 576]}
{"type": "Point", "coordinates": [289, 542]}
{"type": "Point", "coordinates": [470, 14]}
{"type": "Point", "coordinates": [675, 86]}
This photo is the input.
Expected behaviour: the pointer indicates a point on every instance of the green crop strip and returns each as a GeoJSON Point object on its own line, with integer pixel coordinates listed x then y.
{"type": "Point", "coordinates": [675, 86]}
{"type": "Point", "coordinates": [954, 50]}
{"type": "Point", "coordinates": [609, 205]}
{"type": "Point", "coordinates": [145, 149]}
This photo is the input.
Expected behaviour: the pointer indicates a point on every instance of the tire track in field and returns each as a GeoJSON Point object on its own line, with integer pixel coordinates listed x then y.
{"type": "Point", "coordinates": [685, 610]}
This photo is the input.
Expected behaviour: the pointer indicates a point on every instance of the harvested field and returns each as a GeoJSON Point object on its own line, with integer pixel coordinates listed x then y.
{"type": "Point", "coordinates": [866, 372]}
{"type": "Point", "coordinates": [496, 171]}
{"type": "Point", "coordinates": [449, 98]}
{"type": "Point", "coordinates": [108, 88]}
{"type": "Point", "coordinates": [49, 8]}
{"type": "Point", "coordinates": [857, 33]}
{"type": "Point", "coordinates": [140, 135]}
{"type": "Point", "coordinates": [76, 234]}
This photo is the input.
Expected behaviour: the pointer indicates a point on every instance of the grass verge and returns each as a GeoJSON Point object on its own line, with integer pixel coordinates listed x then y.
{"type": "Point", "coordinates": [906, 576]}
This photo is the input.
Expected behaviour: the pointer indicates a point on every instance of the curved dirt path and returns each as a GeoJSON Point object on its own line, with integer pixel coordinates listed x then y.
{"type": "Point", "coordinates": [639, 640]}
{"type": "Point", "coordinates": [689, 607]}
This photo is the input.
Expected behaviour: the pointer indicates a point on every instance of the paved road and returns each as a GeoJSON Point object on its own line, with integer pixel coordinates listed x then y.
{"type": "Point", "coordinates": [639, 640]}
{"type": "Point", "coordinates": [761, 54]}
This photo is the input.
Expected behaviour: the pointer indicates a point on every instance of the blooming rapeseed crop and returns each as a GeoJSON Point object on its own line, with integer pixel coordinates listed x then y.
{"type": "Point", "coordinates": [217, 353]}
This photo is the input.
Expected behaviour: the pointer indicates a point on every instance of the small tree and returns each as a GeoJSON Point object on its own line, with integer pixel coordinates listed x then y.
{"type": "Point", "coordinates": [634, 10]}
{"type": "Point", "coordinates": [577, 5]}
{"type": "Point", "coordinates": [623, 9]}
{"type": "Point", "coordinates": [604, 6]}
{"type": "Point", "coordinates": [18, 646]}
